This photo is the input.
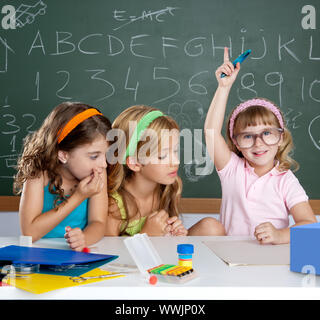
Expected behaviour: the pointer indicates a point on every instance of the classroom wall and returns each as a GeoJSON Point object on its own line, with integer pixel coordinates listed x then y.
{"type": "Point", "coordinates": [9, 222]}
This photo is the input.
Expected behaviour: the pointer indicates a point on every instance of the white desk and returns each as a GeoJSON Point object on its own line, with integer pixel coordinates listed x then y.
{"type": "Point", "coordinates": [216, 280]}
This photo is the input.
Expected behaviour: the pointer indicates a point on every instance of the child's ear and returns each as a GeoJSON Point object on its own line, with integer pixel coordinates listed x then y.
{"type": "Point", "coordinates": [236, 145]}
{"type": "Point", "coordinates": [63, 156]}
{"type": "Point", "coordinates": [133, 164]}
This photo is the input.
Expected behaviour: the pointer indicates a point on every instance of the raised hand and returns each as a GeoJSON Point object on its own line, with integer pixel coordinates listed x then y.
{"type": "Point", "coordinates": [227, 68]}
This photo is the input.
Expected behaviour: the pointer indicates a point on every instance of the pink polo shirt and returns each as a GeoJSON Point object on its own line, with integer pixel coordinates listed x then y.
{"type": "Point", "coordinates": [248, 200]}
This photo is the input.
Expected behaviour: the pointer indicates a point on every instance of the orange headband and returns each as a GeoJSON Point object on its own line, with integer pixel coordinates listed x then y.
{"type": "Point", "coordinates": [76, 120]}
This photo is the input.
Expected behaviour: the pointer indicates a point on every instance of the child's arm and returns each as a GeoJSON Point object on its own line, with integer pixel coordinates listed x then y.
{"type": "Point", "coordinates": [37, 224]}
{"type": "Point", "coordinates": [97, 213]}
{"type": "Point", "coordinates": [93, 187]}
{"type": "Point", "coordinates": [302, 213]}
{"type": "Point", "coordinates": [155, 225]}
{"type": "Point", "coordinates": [32, 221]}
{"type": "Point", "coordinates": [216, 145]}
{"type": "Point", "coordinates": [114, 221]}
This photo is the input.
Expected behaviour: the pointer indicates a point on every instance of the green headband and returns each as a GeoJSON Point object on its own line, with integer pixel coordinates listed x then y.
{"type": "Point", "coordinates": [142, 125]}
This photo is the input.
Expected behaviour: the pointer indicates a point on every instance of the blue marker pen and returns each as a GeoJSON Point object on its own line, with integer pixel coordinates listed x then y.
{"type": "Point", "coordinates": [239, 59]}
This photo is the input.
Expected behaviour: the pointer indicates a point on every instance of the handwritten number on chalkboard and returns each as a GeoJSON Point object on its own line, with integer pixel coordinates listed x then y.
{"type": "Point", "coordinates": [110, 85]}
{"type": "Point", "coordinates": [196, 87]}
{"type": "Point", "coordinates": [279, 80]}
{"type": "Point", "coordinates": [33, 120]}
{"type": "Point", "coordinates": [248, 87]}
{"type": "Point", "coordinates": [157, 70]}
{"type": "Point", "coordinates": [13, 143]}
{"type": "Point", "coordinates": [37, 83]}
{"type": "Point", "coordinates": [11, 124]}
{"type": "Point", "coordinates": [294, 126]}
{"type": "Point", "coordinates": [132, 89]}
{"type": "Point", "coordinates": [310, 90]}
{"type": "Point", "coordinates": [314, 135]}
{"type": "Point", "coordinates": [65, 84]}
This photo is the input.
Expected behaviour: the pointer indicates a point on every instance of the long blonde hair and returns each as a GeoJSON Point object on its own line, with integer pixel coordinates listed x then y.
{"type": "Point", "coordinates": [40, 149]}
{"type": "Point", "coordinates": [168, 195]}
{"type": "Point", "coordinates": [256, 115]}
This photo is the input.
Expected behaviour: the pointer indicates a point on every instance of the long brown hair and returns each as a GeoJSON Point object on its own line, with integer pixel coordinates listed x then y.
{"type": "Point", "coordinates": [168, 195]}
{"type": "Point", "coordinates": [40, 149]}
{"type": "Point", "coordinates": [260, 115]}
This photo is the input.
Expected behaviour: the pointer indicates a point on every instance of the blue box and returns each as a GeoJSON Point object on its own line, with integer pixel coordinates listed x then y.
{"type": "Point", "coordinates": [304, 248]}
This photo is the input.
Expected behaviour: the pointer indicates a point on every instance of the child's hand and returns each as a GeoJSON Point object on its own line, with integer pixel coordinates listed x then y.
{"type": "Point", "coordinates": [156, 224]}
{"type": "Point", "coordinates": [177, 228]}
{"type": "Point", "coordinates": [227, 68]}
{"type": "Point", "coordinates": [90, 185]}
{"type": "Point", "coordinates": [267, 233]}
{"type": "Point", "coordinates": [75, 238]}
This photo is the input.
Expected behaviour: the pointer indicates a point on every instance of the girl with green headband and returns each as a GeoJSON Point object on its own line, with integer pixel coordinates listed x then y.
{"type": "Point", "coordinates": [144, 186]}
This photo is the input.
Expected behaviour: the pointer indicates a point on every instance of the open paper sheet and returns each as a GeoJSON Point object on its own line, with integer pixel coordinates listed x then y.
{"type": "Point", "coordinates": [250, 252]}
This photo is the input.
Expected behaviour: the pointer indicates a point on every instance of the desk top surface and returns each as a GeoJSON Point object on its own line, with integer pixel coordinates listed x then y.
{"type": "Point", "coordinates": [215, 279]}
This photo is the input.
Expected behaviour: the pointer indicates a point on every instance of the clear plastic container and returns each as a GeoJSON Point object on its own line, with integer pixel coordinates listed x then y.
{"type": "Point", "coordinates": [146, 257]}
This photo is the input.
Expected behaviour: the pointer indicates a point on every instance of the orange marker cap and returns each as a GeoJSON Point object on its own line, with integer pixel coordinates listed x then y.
{"type": "Point", "coordinates": [153, 280]}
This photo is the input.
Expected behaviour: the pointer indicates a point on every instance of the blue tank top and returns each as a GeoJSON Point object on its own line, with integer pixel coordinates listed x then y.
{"type": "Point", "coordinates": [78, 218]}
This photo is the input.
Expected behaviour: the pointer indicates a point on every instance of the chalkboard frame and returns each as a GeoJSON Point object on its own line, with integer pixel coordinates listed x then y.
{"type": "Point", "coordinates": [188, 205]}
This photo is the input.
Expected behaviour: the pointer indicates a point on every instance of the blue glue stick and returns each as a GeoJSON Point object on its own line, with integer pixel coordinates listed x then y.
{"type": "Point", "coordinates": [241, 58]}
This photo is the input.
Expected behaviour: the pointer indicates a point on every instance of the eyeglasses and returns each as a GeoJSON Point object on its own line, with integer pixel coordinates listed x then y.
{"type": "Point", "coordinates": [270, 136]}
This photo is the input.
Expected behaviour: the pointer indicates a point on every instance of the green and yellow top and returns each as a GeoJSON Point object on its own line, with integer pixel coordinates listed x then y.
{"type": "Point", "coordinates": [134, 226]}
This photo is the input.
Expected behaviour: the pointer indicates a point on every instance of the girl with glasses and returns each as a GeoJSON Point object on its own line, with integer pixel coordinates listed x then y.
{"type": "Point", "coordinates": [259, 190]}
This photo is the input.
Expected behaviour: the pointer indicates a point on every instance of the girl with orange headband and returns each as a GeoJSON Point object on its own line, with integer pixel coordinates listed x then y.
{"type": "Point", "coordinates": [259, 190]}
{"type": "Point", "coordinates": [144, 185]}
{"type": "Point", "coordinates": [62, 177]}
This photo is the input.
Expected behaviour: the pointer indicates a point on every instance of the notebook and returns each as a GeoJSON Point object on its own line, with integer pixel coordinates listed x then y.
{"type": "Point", "coordinates": [51, 257]}
{"type": "Point", "coordinates": [41, 283]}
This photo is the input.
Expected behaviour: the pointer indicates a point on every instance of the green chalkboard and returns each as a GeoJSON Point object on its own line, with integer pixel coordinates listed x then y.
{"type": "Point", "coordinates": [114, 53]}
